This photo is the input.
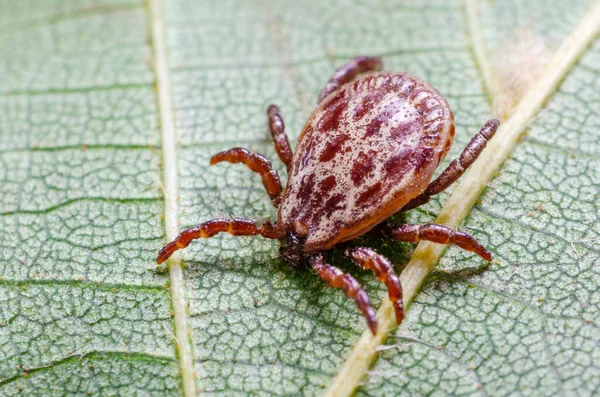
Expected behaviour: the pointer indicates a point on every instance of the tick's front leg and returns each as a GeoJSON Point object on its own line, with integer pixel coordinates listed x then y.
{"type": "Point", "coordinates": [257, 163]}
{"type": "Point", "coordinates": [353, 290]}
{"type": "Point", "coordinates": [280, 139]}
{"type": "Point", "coordinates": [458, 166]}
{"type": "Point", "coordinates": [235, 227]}
{"type": "Point", "coordinates": [439, 234]}
{"type": "Point", "coordinates": [349, 71]}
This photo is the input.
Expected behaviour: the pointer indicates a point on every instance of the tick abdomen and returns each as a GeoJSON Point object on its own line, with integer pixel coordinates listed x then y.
{"type": "Point", "coordinates": [367, 149]}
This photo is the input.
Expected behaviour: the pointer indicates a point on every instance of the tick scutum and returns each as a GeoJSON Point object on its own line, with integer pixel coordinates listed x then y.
{"type": "Point", "coordinates": [380, 138]}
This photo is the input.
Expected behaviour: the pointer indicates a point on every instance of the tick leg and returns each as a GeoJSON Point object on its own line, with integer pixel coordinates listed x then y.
{"type": "Point", "coordinates": [257, 163]}
{"type": "Point", "coordinates": [282, 143]}
{"type": "Point", "coordinates": [439, 234]}
{"type": "Point", "coordinates": [235, 227]}
{"type": "Point", "coordinates": [458, 166]}
{"type": "Point", "coordinates": [337, 279]}
{"type": "Point", "coordinates": [349, 71]}
{"type": "Point", "coordinates": [384, 271]}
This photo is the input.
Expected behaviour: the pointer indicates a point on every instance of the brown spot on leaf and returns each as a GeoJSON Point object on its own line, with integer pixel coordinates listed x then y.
{"type": "Point", "coordinates": [519, 61]}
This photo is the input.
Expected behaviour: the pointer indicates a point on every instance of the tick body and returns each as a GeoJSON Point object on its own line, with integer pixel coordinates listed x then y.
{"type": "Point", "coordinates": [368, 151]}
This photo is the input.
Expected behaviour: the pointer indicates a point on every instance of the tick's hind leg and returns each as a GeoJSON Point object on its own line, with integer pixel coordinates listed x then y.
{"type": "Point", "coordinates": [257, 163]}
{"type": "Point", "coordinates": [349, 71]}
{"type": "Point", "coordinates": [458, 166]}
{"type": "Point", "coordinates": [235, 227]}
{"type": "Point", "coordinates": [439, 234]}
{"type": "Point", "coordinates": [337, 279]}
{"type": "Point", "coordinates": [384, 271]}
{"type": "Point", "coordinates": [280, 139]}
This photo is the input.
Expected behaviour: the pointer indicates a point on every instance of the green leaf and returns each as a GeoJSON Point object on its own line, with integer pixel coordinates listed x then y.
{"type": "Point", "coordinates": [528, 324]}
{"type": "Point", "coordinates": [80, 206]}
{"type": "Point", "coordinates": [112, 108]}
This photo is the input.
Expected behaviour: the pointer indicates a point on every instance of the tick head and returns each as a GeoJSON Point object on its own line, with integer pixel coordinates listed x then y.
{"type": "Point", "coordinates": [292, 250]}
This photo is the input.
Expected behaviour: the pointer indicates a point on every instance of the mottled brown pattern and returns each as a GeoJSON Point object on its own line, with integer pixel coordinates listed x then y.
{"type": "Point", "coordinates": [381, 139]}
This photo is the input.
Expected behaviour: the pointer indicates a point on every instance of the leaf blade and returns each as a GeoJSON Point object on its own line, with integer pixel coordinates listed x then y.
{"type": "Point", "coordinates": [576, 44]}
{"type": "Point", "coordinates": [80, 160]}
{"type": "Point", "coordinates": [80, 207]}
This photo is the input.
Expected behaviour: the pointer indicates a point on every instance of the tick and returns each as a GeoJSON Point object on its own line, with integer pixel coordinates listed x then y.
{"type": "Point", "coordinates": [369, 150]}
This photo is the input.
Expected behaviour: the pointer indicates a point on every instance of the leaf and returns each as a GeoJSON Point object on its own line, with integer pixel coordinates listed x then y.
{"type": "Point", "coordinates": [80, 207]}
{"type": "Point", "coordinates": [113, 107]}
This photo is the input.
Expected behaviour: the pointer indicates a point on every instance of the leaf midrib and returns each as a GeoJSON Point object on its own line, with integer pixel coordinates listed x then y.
{"type": "Point", "coordinates": [165, 106]}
